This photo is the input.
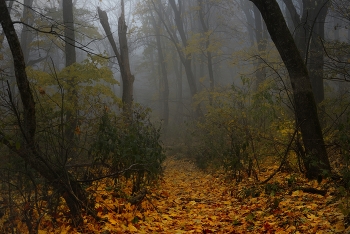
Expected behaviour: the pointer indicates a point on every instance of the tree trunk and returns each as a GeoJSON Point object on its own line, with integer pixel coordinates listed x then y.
{"type": "Point", "coordinates": [69, 34]}
{"type": "Point", "coordinates": [128, 78]}
{"type": "Point", "coordinates": [2, 36]}
{"type": "Point", "coordinates": [308, 38]}
{"type": "Point", "coordinates": [26, 35]}
{"type": "Point", "coordinates": [207, 44]}
{"type": "Point", "coordinates": [316, 56]}
{"type": "Point", "coordinates": [261, 41]}
{"type": "Point", "coordinates": [186, 59]}
{"type": "Point", "coordinates": [260, 38]}
{"type": "Point", "coordinates": [179, 101]}
{"type": "Point", "coordinates": [59, 177]}
{"type": "Point", "coordinates": [164, 87]}
{"type": "Point", "coordinates": [122, 56]}
{"type": "Point", "coordinates": [247, 8]}
{"type": "Point", "coordinates": [70, 54]}
{"type": "Point", "coordinates": [317, 162]}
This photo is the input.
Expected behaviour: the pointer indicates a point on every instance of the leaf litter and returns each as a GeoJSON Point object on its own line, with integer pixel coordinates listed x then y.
{"type": "Point", "coordinates": [188, 200]}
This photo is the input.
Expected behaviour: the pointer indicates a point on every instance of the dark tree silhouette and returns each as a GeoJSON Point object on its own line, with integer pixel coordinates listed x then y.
{"type": "Point", "coordinates": [316, 161]}
{"type": "Point", "coordinates": [74, 195]}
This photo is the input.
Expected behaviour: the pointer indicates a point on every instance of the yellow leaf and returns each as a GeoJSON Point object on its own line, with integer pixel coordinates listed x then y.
{"type": "Point", "coordinates": [339, 227]}
{"type": "Point", "coordinates": [132, 228]}
{"type": "Point", "coordinates": [192, 203]}
{"type": "Point", "coordinates": [167, 217]}
{"type": "Point", "coordinates": [297, 193]}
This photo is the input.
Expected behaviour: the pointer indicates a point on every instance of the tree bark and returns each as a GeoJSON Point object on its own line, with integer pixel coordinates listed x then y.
{"type": "Point", "coordinates": [308, 33]}
{"type": "Point", "coordinates": [317, 162]}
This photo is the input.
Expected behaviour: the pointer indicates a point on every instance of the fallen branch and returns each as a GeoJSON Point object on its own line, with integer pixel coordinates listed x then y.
{"type": "Point", "coordinates": [313, 191]}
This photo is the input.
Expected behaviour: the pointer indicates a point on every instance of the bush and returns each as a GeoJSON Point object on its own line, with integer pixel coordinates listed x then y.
{"type": "Point", "coordinates": [240, 129]}
{"type": "Point", "coordinates": [131, 146]}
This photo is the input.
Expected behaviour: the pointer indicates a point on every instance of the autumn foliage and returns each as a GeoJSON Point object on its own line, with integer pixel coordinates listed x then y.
{"type": "Point", "coordinates": [188, 200]}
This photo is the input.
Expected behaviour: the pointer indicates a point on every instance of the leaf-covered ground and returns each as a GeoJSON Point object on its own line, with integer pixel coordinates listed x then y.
{"type": "Point", "coordinates": [188, 200]}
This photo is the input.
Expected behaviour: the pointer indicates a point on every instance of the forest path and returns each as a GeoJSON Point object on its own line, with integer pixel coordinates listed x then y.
{"type": "Point", "coordinates": [187, 200]}
{"type": "Point", "coordinates": [192, 201]}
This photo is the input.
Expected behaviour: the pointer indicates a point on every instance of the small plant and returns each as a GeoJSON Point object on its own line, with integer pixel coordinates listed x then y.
{"type": "Point", "coordinates": [272, 188]}
{"type": "Point", "coordinates": [291, 180]}
{"type": "Point", "coordinates": [250, 192]}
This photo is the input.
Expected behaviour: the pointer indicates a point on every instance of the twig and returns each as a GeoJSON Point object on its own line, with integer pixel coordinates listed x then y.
{"type": "Point", "coordinates": [148, 199]}
{"type": "Point", "coordinates": [284, 157]}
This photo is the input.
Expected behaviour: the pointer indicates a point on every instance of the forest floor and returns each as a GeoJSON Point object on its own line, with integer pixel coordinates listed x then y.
{"type": "Point", "coordinates": [188, 200]}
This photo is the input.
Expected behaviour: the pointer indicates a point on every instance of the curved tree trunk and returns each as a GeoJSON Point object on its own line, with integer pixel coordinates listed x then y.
{"type": "Point", "coordinates": [317, 162]}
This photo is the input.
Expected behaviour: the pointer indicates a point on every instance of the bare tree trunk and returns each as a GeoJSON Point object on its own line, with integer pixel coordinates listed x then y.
{"type": "Point", "coordinates": [179, 99]}
{"type": "Point", "coordinates": [2, 37]}
{"type": "Point", "coordinates": [247, 8]}
{"type": "Point", "coordinates": [122, 56]}
{"type": "Point", "coordinates": [308, 36]}
{"type": "Point", "coordinates": [317, 162]}
{"type": "Point", "coordinates": [261, 40]}
{"type": "Point", "coordinates": [128, 79]}
{"type": "Point", "coordinates": [205, 28]}
{"type": "Point", "coordinates": [69, 37]}
{"type": "Point", "coordinates": [186, 59]}
{"type": "Point", "coordinates": [164, 87]}
{"type": "Point", "coordinates": [316, 56]}
{"type": "Point", "coordinates": [26, 35]}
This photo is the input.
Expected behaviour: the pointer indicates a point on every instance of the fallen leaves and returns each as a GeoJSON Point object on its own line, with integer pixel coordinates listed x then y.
{"type": "Point", "coordinates": [190, 201]}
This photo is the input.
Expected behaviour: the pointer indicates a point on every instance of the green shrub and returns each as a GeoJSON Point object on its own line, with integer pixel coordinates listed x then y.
{"type": "Point", "coordinates": [239, 129]}
{"type": "Point", "coordinates": [131, 146]}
